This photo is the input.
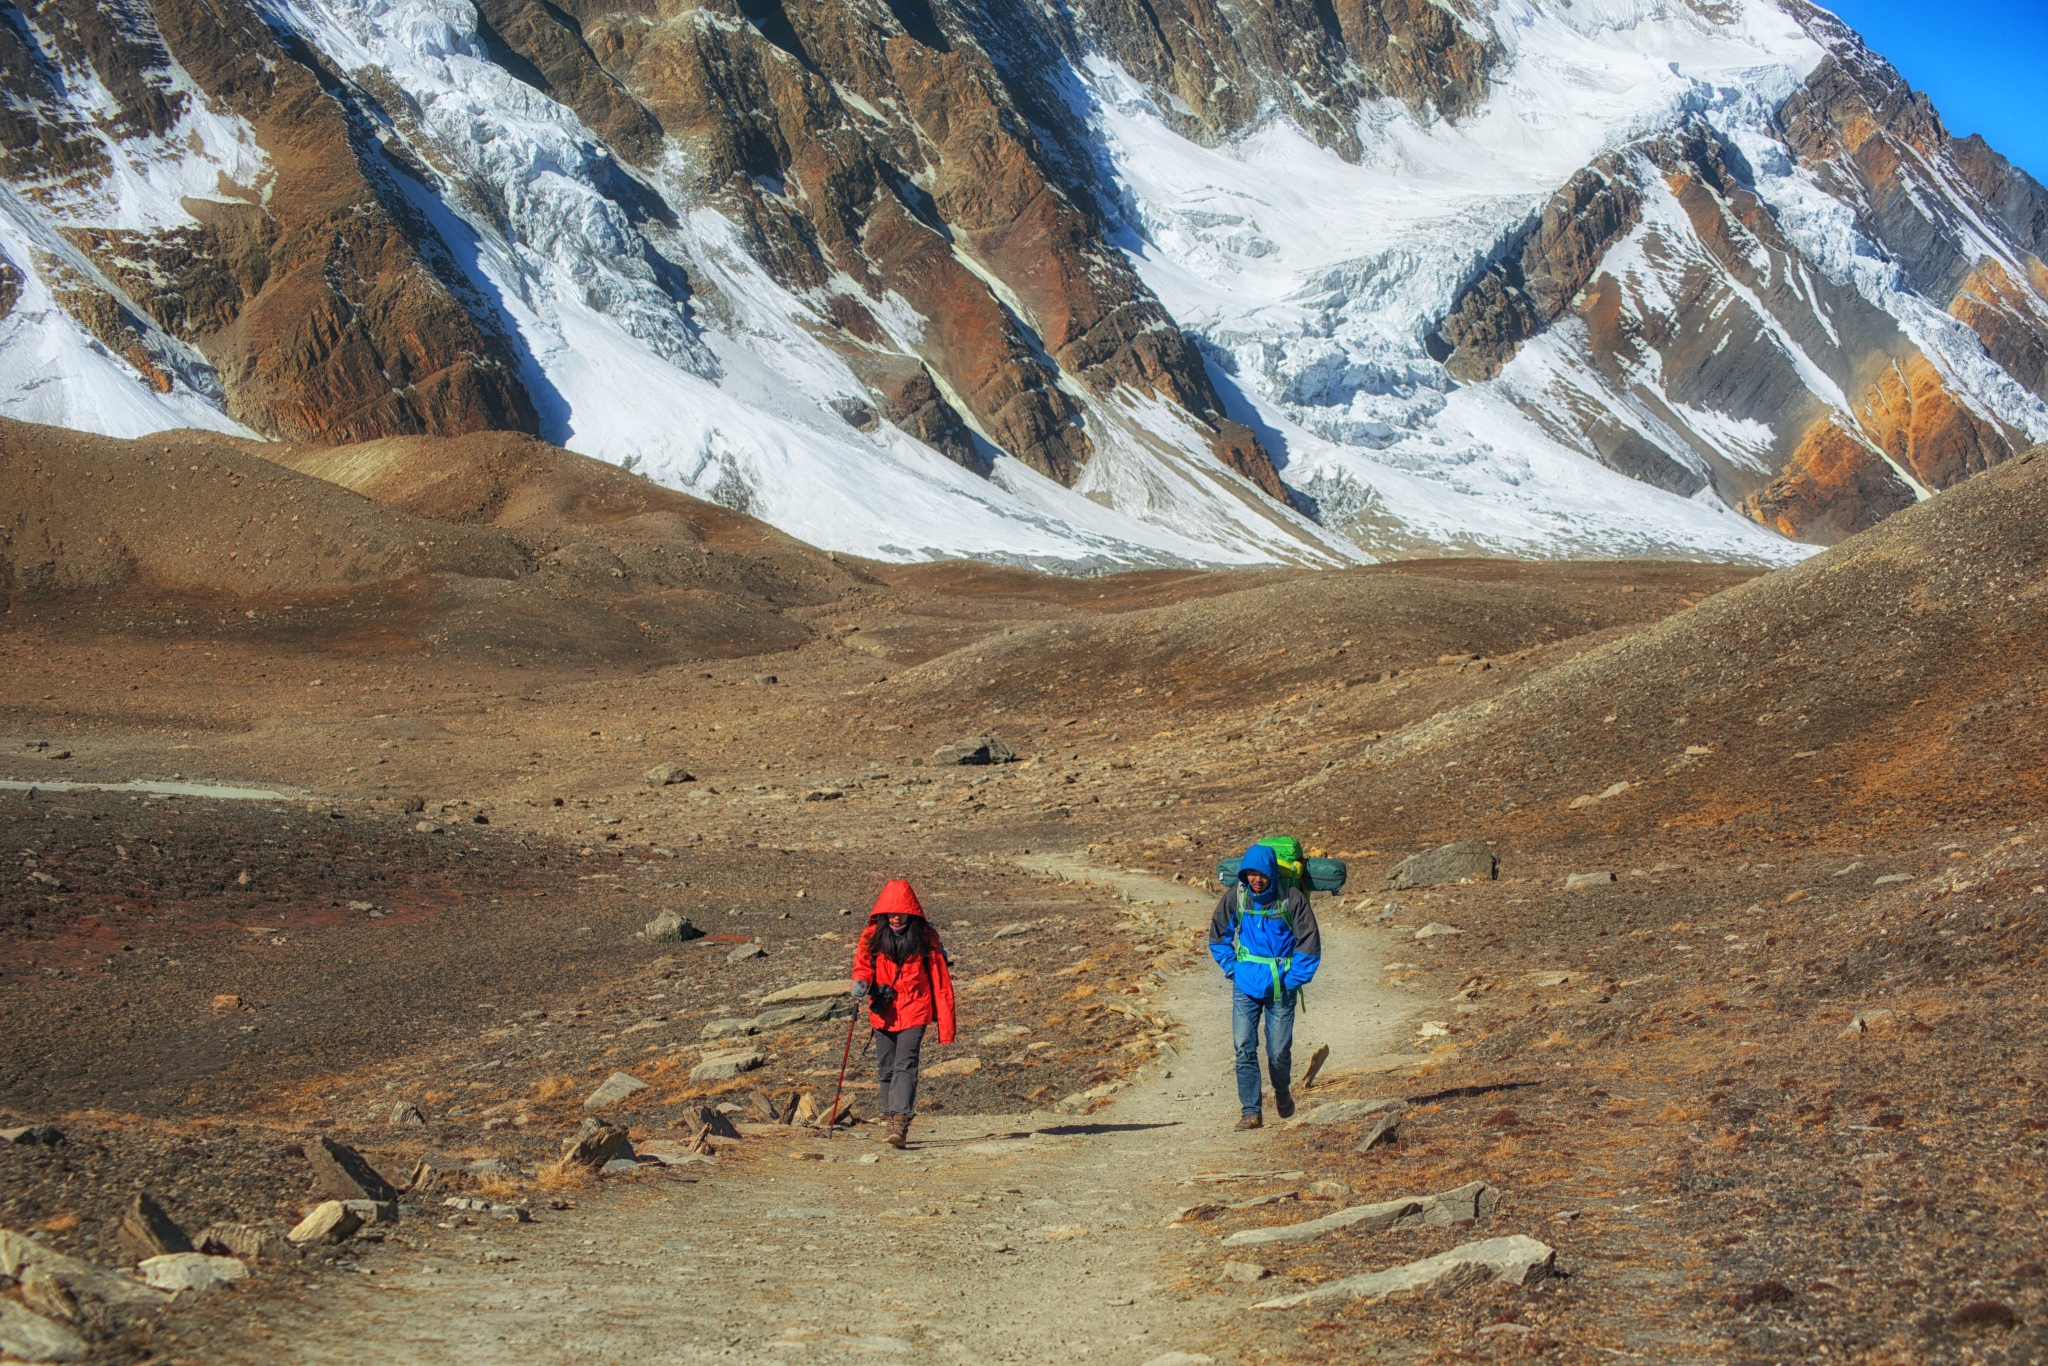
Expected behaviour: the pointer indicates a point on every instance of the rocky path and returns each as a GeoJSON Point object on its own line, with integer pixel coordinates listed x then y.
{"type": "Point", "coordinates": [996, 1238]}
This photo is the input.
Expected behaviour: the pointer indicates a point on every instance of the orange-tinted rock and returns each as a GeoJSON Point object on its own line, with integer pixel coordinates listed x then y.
{"type": "Point", "coordinates": [1920, 424]}
{"type": "Point", "coordinates": [1834, 486]}
{"type": "Point", "coordinates": [1999, 310]}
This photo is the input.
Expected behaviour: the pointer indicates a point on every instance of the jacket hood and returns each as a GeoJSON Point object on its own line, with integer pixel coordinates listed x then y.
{"type": "Point", "coordinates": [896, 899]}
{"type": "Point", "coordinates": [1259, 859]}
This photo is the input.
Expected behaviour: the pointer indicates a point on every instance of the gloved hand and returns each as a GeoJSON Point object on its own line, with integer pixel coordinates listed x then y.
{"type": "Point", "coordinates": [861, 990]}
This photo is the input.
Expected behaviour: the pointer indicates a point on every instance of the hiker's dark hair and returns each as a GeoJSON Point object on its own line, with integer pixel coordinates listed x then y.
{"type": "Point", "coordinates": [900, 947]}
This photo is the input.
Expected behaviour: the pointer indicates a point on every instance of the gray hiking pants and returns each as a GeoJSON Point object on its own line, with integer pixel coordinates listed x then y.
{"type": "Point", "coordinates": [896, 1068]}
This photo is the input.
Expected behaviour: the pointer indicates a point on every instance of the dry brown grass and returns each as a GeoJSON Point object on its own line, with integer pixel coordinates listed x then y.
{"type": "Point", "coordinates": [565, 1176]}
{"type": "Point", "coordinates": [499, 1187]}
{"type": "Point", "coordinates": [62, 1223]}
{"type": "Point", "coordinates": [548, 1088]}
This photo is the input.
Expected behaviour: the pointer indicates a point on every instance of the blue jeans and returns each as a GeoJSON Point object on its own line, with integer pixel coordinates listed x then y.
{"type": "Point", "coordinates": [1244, 1031]}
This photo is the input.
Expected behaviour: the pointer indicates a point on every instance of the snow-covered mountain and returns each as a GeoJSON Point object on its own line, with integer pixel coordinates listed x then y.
{"type": "Point", "coordinates": [1081, 283]}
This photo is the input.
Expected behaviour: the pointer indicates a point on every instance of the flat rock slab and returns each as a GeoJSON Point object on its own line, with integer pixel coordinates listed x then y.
{"type": "Point", "coordinates": [175, 1271]}
{"type": "Point", "coordinates": [18, 1255]}
{"type": "Point", "coordinates": [1574, 881]}
{"type": "Point", "coordinates": [1464, 861]}
{"type": "Point", "coordinates": [809, 991]}
{"type": "Point", "coordinates": [329, 1222]}
{"type": "Point", "coordinates": [838, 1007]}
{"type": "Point", "coordinates": [1516, 1259]}
{"type": "Point", "coordinates": [1476, 1200]}
{"type": "Point", "coordinates": [27, 1336]}
{"type": "Point", "coordinates": [726, 1066]}
{"type": "Point", "coordinates": [1344, 1111]}
{"type": "Point", "coordinates": [616, 1088]}
{"type": "Point", "coordinates": [345, 1174]}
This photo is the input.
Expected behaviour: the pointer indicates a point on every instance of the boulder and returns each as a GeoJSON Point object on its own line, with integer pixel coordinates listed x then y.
{"type": "Point", "coordinates": [596, 1145]}
{"type": "Point", "coordinates": [328, 1222]}
{"type": "Point", "coordinates": [705, 1120]}
{"type": "Point", "coordinates": [406, 1115]}
{"type": "Point", "coordinates": [146, 1231]}
{"type": "Point", "coordinates": [1474, 1201]}
{"type": "Point", "coordinates": [175, 1271]}
{"type": "Point", "coordinates": [726, 1066]}
{"type": "Point", "coordinates": [246, 1241]}
{"type": "Point", "coordinates": [1464, 861]}
{"type": "Point", "coordinates": [975, 749]}
{"type": "Point", "coordinates": [746, 951]}
{"type": "Point", "coordinates": [809, 991]}
{"type": "Point", "coordinates": [1517, 1259]}
{"type": "Point", "coordinates": [20, 1256]}
{"type": "Point", "coordinates": [671, 928]}
{"type": "Point", "coordinates": [666, 775]}
{"type": "Point", "coordinates": [27, 1336]}
{"type": "Point", "coordinates": [1344, 1111]}
{"type": "Point", "coordinates": [344, 1174]}
{"type": "Point", "coordinates": [31, 1135]}
{"type": "Point", "coordinates": [836, 1008]}
{"type": "Point", "coordinates": [953, 1067]}
{"type": "Point", "coordinates": [616, 1088]}
{"type": "Point", "coordinates": [1574, 881]}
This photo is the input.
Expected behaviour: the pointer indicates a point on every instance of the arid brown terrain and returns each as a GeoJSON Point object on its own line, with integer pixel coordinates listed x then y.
{"type": "Point", "coordinates": [1767, 1081]}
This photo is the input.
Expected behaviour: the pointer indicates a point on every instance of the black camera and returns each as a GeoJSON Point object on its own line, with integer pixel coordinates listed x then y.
{"type": "Point", "coordinates": [880, 997]}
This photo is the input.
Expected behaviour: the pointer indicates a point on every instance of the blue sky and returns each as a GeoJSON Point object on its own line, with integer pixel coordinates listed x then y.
{"type": "Point", "coordinates": [1983, 62]}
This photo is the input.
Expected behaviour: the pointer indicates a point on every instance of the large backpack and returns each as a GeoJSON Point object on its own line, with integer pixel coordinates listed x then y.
{"type": "Point", "coordinates": [1297, 869]}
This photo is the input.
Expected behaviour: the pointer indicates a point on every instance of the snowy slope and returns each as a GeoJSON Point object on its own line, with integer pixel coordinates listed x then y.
{"type": "Point", "coordinates": [1312, 283]}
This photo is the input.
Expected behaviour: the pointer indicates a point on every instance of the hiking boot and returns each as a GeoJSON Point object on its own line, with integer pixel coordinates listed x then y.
{"type": "Point", "coordinates": [899, 1131]}
{"type": "Point", "coordinates": [1283, 1104]}
{"type": "Point", "coordinates": [1251, 1120]}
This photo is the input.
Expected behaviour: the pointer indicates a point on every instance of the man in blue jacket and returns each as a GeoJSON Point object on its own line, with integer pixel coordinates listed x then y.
{"type": "Point", "coordinates": [1266, 940]}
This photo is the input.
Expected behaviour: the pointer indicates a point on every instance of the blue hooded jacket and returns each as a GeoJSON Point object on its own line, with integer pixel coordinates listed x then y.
{"type": "Point", "coordinates": [1275, 924]}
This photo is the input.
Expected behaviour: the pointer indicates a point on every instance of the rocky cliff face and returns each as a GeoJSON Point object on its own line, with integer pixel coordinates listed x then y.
{"type": "Point", "coordinates": [1099, 282]}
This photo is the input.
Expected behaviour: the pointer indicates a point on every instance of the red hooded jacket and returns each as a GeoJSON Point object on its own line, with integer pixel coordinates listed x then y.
{"type": "Point", "coordinates": [924, 985]}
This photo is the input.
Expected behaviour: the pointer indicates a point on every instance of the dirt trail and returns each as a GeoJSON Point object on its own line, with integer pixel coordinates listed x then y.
{"type": "Point", "coordinates": [1030, 1237]}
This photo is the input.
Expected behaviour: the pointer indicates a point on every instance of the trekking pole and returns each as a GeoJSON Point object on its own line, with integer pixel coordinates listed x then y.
{"type": "Point", "coordinates": [845, 1056]}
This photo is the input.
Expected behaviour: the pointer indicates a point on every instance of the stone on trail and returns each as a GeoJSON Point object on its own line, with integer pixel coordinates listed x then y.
{"type": "Point", "coordinates": [726, 1066]}
{"type": "Point", "coordinates": [833, 1008]}
{"type": "Point", "coordinates": [1315, 1065]}
{"type": "Point", "coordinates": [1387, 1127]}
{"type": "Point", "coordinates": [27, 1336]}
{"type": "Point", "coordinates": [246, 1241]}
{"type": "Point", "coordinates": [344, 1174]}
{"type": "Point", "coordinates": [809, 991]}
{"type": "Point", "coordinates": [726, 1029]}
{"type": "Point", "coordinates": [1325, 1190]}
{"type": "Point", "coordinates": [19, 1256]}
{"type": "Point", "coordinates": [1517, 1259]}
{"type": "Point", "coordinates": [746, 951]}
{"type": "Point", "coordinates": [175, 1271]}
{"type": "Point", "coordinates": [1473, 1201]}
{"type": "Point", "coordinates": [1464, 861]}
{"type": "Point", "coordinates": [1436, 929]}
{"type": "Point", "coordinates": [671, 928]}
{"type": "Point", "coordinates": [975, 749]}
{"type": "Point", "coordinates": [1241, 1273]}
{"type": "Point", "coordinates": [329, 1222]}
{"type": "Point", "coordinates": [666, 775]}
{"type": "Point", "coordinates": [953, 1067]}
{"type": "Point", "coordinates": [706, 1120]}
{"type": "Point", "coordinates": [1343, 1111]}
{"type": "Point", "coordinates": [1015, 928]}
{"type": "Point", "coordinates": [146, 1231]}
{"type": "Point", "coordinates": [1195, 1214]}
{"type": "Point", "coordinates": [1871, 1022]}
{"type": "Point", "coordinates": [593, 1147]}
{"type": "Point", "coordinates": [1574, 881]}
{"type": "Point", "coordinates": [615, 1089]}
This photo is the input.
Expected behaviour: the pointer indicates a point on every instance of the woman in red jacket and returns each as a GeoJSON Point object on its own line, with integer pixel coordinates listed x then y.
{"type": "Point", "coordinates": [900, 970]}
